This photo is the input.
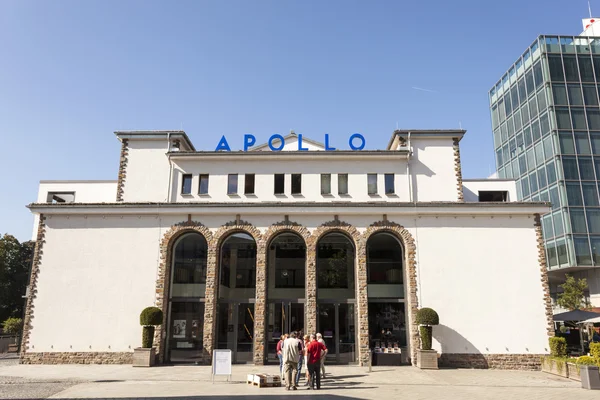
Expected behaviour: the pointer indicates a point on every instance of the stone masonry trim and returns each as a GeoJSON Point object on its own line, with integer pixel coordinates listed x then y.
{"type": "Point", "coordinates": [163, 280]}
{"type": "Point", "coordinates": [523, 362]}
{"type": "Point", "coordinates": [78, 358]}
{"type": "Point", "coordinates": [122, 169]}
{"type": "Point", "coordinates": [33, 280]}
{"type": "Point", "coordinates": [537, 223]}
{"type": "Point", "coordinates": [458, 169]}
{"type": "Point", "coordinates": [410, 274]}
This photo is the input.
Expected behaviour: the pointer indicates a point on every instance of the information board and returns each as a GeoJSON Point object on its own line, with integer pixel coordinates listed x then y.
{"type": "Point", "coordinates": [221, 362]}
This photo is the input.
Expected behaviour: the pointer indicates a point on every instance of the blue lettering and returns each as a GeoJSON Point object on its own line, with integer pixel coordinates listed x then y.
{"type": "Point", "coordinates": [327, 148]}
{"type": "Point", "coordinates": [249, 141]}
{"type": "Point", "coordinates": [300, 148]}
{"type": "Point", "coordinates": [223, 145]}
{"type": "Point", "coordinates": [355, 136]}
{"type": "Point", "coordinates": [273, 137]}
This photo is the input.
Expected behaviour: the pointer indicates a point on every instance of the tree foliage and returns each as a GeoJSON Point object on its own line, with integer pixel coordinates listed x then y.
{"type": "Point", "coordinates": [12, 326]}
{"type": "Point", "coordinates": [15, 261]}
{"type": "Point", "coordinates": [573, 295]}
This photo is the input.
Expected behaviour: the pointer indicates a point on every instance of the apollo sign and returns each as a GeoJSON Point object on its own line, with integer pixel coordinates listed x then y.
{"type": "Point", "coordinates": [276, 142]}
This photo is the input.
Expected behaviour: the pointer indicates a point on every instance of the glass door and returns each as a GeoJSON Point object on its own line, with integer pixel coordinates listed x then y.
{"type": "Point", "coordinates": [235, 330]}
{"type": "Point", "coordinates": [336, 322]}
{"type": "Point", "coordinates": [284, 317]}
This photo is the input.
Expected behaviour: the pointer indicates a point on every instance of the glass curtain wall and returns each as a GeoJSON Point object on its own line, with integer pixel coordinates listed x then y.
{"type": "Point", "coordinates": [186, 299]}
{"type": "Point", "coordinates": [546, 122]}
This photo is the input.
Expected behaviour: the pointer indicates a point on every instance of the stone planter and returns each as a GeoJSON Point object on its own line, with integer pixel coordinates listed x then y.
{"type": "Point", "coordinates": [555, 367]}
{"type": "Point", "coordinates": [427, 359]}
{"type": "Point", "coordinates": [573, 372]}
{"type": "Point", "coordinates": [590, 377]}
{"type": "Point", "coordinates": [143, 357]}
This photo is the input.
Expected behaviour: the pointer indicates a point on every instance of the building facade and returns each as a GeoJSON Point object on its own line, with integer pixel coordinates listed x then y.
{"type": "Point", "coordinates": [546, 124]}
{"type": "Point", "coordinates": [240, 247]}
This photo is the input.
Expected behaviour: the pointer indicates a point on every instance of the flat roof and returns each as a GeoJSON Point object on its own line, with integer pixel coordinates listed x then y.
{"type": "Point", "coordinates": [458, 133]}
{"type": "Point", "coordinates": [155, 134]}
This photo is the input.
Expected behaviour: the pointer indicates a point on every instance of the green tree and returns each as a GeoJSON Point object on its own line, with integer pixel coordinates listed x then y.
{"type": "Point", "coordinates": [15, 261]}
{"type": "Point", "coordinates": [573, 296]}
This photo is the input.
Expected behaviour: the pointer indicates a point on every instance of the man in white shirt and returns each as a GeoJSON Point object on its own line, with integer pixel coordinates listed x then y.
{"type": "Point", "coordinates": [291, 355]}
{"type": "Point", "coordinates": [320, 340]}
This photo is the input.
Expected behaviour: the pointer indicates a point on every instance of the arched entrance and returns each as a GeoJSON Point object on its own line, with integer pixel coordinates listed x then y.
{"type": "Point", "coordinates": [286, 283]}
{"type": "Point", "coordinates": [336, 296]}
{"type": "Point", "coordinates": [386, 293]}
{"type": "Point", "coordinates": [186, 299]}
{"type": "Point", "coordinates": [236, 296]}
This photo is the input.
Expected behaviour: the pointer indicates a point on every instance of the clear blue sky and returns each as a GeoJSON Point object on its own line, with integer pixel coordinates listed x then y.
{"type": "Point", "coordinates": [72, 72]}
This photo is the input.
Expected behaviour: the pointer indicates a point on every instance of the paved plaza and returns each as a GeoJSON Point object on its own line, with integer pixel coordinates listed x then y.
{"type": "Point", "coordinates": [343, 382]}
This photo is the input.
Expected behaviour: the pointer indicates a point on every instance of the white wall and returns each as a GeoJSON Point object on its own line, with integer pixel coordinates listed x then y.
{"type": "Point", "coordinates": [85, 192]}
{"type": "Point", "coordinates": [483, 278]}
{"type": "Point", "coordinates": [471, 188]}
{"type": "Point", "coordinates": [311, 171]}
{"type": "Point", "coordinates": [480, 274]}
{"type": "Point", "coordinates": [147, 173]}
{"type": "Point", "coordinates": [432, 169]}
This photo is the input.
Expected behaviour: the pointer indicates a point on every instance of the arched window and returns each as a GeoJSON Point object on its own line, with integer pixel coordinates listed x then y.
{"type": "Point", "coordinates": [384, 259]}
{"type": "Point", "coordinates": [335, 262]}
{"type": "Point", "coordinates": [190, 259]}
{"type": "Point", "coordinates": [287, 256]}
{"type": "Point", "coordinates": [238, 261]}
{"type": "Point", "coordinates": [186, 311]}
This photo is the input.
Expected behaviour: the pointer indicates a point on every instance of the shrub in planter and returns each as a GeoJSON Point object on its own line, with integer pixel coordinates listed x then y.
{"type": "Point", "coordinates": [595, 350]}
{"type": "Point", "coordinates": [587, 360]}
{"type": "Point", "coordinates": [558, 346]}
{"type": "Point", "coordinates": [427, 317]}
{"type": "Point", "coordinates": [149, 318]}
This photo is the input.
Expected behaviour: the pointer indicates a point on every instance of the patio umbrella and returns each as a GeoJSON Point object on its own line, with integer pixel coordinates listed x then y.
{"type": "Point", "coordinates": [595, 320]}
{"type": "Point", "coordinates": [575, 316]}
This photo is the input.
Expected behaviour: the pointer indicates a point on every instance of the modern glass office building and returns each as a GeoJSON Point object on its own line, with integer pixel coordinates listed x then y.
{"type": "Point", "coordinates": [546, 125]}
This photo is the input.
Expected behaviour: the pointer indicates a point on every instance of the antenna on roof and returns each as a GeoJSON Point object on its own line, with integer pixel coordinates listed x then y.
{"type": "Point", "coordinates": [459, 125]}
{"type": "Point", "coordinates": [181, 125]}
{"type": "Point", "coordinates": [590, 8]}
{"type": "Point", "coordinates": [397, 125]}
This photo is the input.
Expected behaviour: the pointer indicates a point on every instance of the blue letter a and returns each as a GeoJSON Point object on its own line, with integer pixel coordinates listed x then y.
{"type": "Point", "coordinates": [223, 145]}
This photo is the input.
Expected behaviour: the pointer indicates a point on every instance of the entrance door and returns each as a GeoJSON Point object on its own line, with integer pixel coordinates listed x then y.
{"type": "Point", "coordinates": [336, 324]}
{"type": "Point", "coordinates": [235, 330]}
{"type": "Point", "coordinates": [284, 317]}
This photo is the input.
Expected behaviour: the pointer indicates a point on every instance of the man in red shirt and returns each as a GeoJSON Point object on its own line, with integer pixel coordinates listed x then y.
{"type": "Point", "coordinates": [314, 352]}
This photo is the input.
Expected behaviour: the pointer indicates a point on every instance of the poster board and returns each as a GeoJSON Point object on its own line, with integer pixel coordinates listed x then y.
{"type": "Point", "coordinates": [221, 363]}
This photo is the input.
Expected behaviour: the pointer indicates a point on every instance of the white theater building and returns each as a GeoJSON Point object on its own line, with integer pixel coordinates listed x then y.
{"type": "Point", "coordinates": [238, 247]}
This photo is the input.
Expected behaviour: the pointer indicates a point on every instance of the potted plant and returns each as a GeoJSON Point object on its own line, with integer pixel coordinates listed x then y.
{"type": "Point", "coordinates": [144, 356]}
{"type": "Point", "coordinates": [426, 357]}
{"type": "Point", "coordinates": [556, 363]}
{"type": "Point", "coordinates": [13, 326]}
{"type": "Point", "coordinates": [588, 371]}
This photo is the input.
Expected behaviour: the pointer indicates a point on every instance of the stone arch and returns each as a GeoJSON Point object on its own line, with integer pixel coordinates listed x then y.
{"type": "Point", "coordinates": [410, 266]}
{"type": "Point", "coordinates": [212, 283]}
{"type": "Point", "coordinates": [311, 263]}
{"type": "Point", "coordinates": [164, 271]}
{"type": "Point", "coordinates": [261, 276]}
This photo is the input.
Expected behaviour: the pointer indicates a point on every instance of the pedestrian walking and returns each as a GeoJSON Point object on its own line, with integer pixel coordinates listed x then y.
{"type": "Point", "coordinates": [291, 354]}
{"type": "Point", "coordinates": [280, 354]}
{"type": "Point", "coordinates": [315, 351]}
{"type": "Point", "coordinates": [320, 340]}
{"type": "Point", "coordinates": [306, 342]}
{"type": "Point", "coordinates": [300, 358]}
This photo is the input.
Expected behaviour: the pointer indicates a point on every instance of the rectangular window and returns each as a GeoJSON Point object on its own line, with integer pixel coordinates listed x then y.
{"type": "Point", "coordinates": [232, 184]}
{"type": "Point", "coordinates": [325, 183]}
{"type": "Point", "coordinates": [593, 117]}
{"type": "Point", "coordinates": [578, 117]}
{"type": "Point", "coordinates": [493, 196]}
{"type": "Point", "coordinates": [342, 183]}
{"type": "Point", "coordinates": [279, 183]}
{"type": "Point", "coordinates": [582, 143]}
{"type": "Point", "coordinates": [574, 194]}
{"type": "Point", "coordinates": [590, 95]}
{"type": "Point", "coordinates": [186, 184]}
{"type": "Point", "coordinates": [586, 168]}
{"type": "Point", "coordinates": [389, 184]}
{"type": "Point", "coordinates": [560, 94]}
{"type": "Point", "coordinates": [585, 69]}
{"type": "Point", "coordinates": [203, 189]}
{"type": "Point", "coordinates": [571, 70]}
{"type": "Point", "coordinates": [567, 145]}
{"type": "Point", "coordinates": [372, 183]}
{"type": "Point", "coordinates": [249, 184]}
{"type": "Point", "coordinates": [590, 196]}
{"type": "Point", "coordinates": [296, 183]}
{"type": "Point", "coordinates": [570, 168]}
{"type": "Point", "coordinates": [575, 97]}
{"type": "Point", "coordinates": [582, 251]}
{"type": "Point", "coordinates": [556, 68]}
{"type": "Point", "coordinates": [578, 220]}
